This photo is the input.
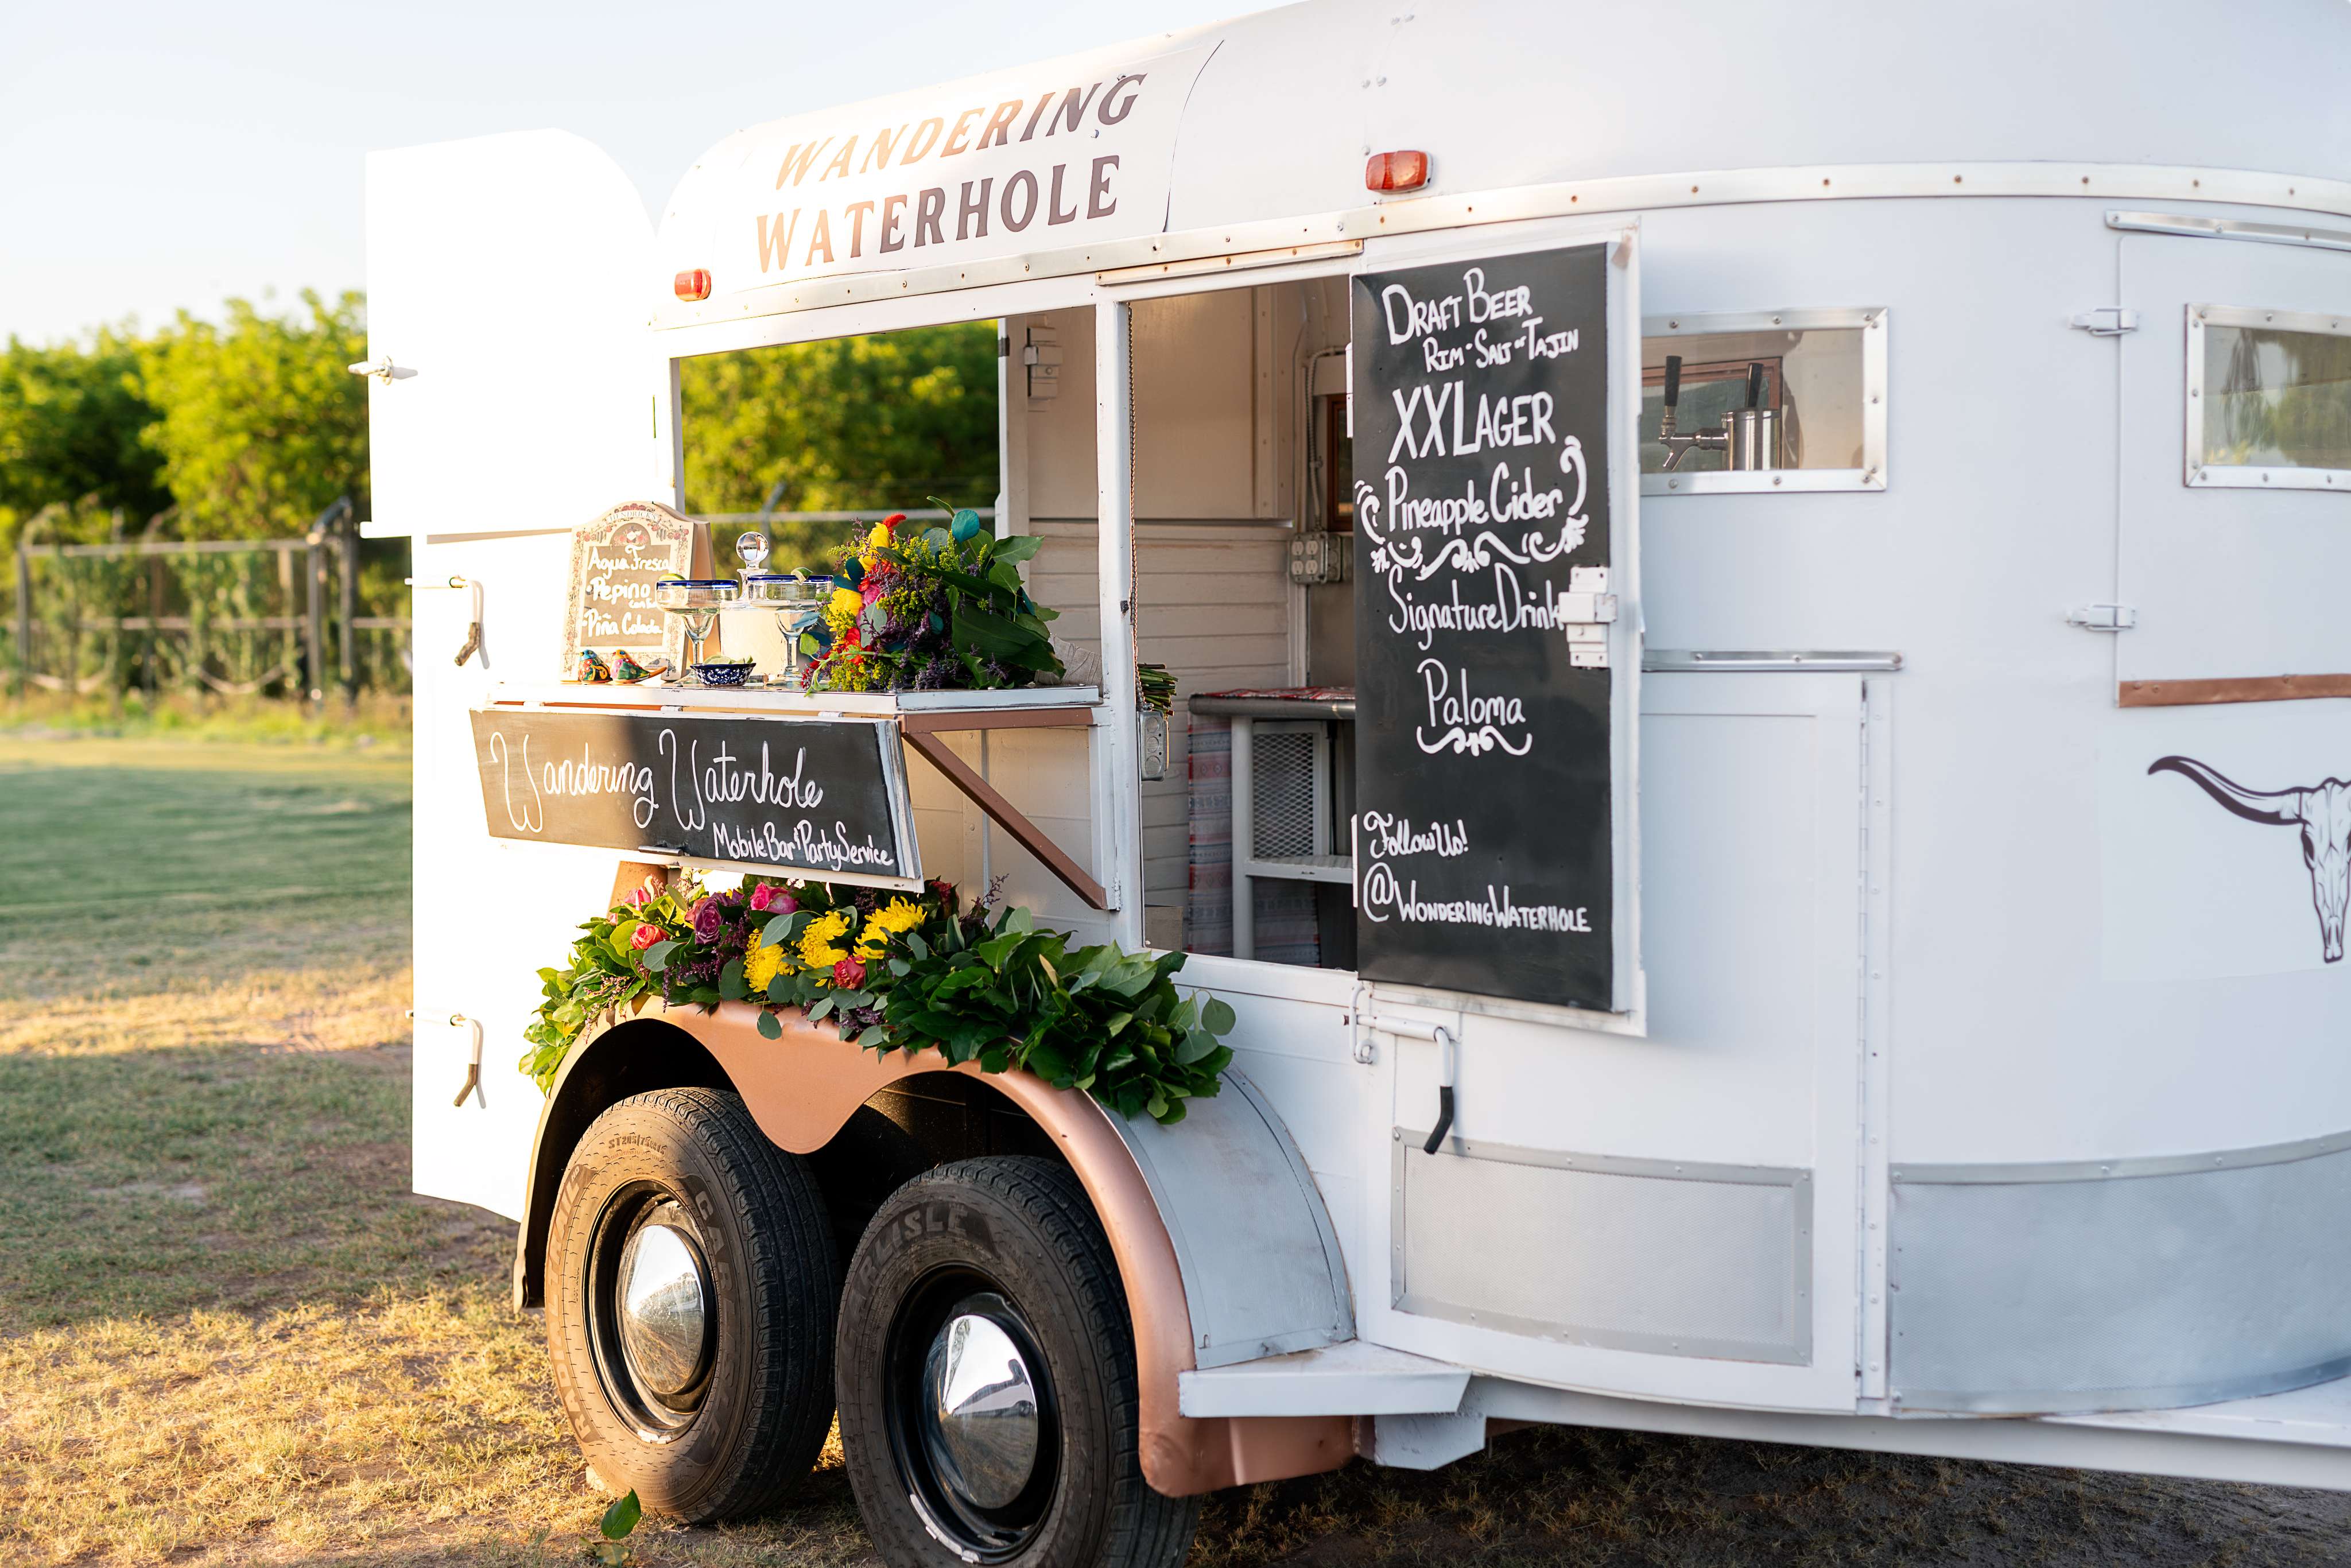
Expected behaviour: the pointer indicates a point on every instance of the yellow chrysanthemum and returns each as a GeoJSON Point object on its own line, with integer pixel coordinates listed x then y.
{"type": "Point", "coordinates": [879, 536]}
{"type": "Point", "coordinates": [817, 949]}
{"type": "Point", "coordinates": [847, 602]}
{"type": "Point", "coordinates": [898, 915]}
{"type": "Point", "coordinates": [762, 964]}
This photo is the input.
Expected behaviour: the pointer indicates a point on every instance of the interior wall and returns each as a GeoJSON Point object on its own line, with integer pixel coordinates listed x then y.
{"type": "Point", "coordinates": [1221, 469]}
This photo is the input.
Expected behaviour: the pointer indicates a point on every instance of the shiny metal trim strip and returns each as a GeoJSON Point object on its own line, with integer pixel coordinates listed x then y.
{"type": "Point", "coordinates": [2227, 228]}
{"type": "Point", "coordinates": [1910, 1173]}
{"type": "Point", "coordinates": [1776, 661]}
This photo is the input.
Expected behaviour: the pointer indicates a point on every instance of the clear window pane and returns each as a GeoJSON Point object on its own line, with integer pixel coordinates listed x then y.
{"type": "Point", "coordinates": [1813, 378]}
{"type": "Point", "coordinates": [2276, 399]}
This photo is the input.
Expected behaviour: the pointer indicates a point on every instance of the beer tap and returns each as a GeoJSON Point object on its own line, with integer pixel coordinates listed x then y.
{"type": "Point", "coordinates": [1750, 437]}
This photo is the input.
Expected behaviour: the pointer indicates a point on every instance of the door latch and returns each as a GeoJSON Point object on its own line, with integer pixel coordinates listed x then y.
{"type": "Point", "coordinates": [2107, 321]}
{"type": "Point", "coordinates": [383, 369]}
{"type": "Point", "coordinates": [2102, 617]}
{"type": "Point", "coordinates": [1585, 611]}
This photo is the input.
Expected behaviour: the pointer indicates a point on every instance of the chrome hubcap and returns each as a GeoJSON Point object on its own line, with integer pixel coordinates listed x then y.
{"type": "Point", "coordinates": [971, 1417]}
{"type": "Point", "coordinates": [981, 1411]}
{"type": "Point", "coordinates": [662, 1291]}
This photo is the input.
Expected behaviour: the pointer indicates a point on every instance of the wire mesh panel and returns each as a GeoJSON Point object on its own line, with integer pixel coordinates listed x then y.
{"type": "Point", "coordinates": [1287, 811]}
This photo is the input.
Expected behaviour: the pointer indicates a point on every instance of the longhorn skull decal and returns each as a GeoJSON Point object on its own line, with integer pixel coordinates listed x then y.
{"type": "Point", "coordinates": [2322, 813]}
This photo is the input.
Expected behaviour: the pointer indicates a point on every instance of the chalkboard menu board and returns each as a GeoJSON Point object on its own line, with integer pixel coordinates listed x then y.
{"type": "Point", "coordinates": [1484, 840]}
{"type": "Point", "coordinates": [823, 796]}
{"type": "Point", "coordinates": [615, 562]}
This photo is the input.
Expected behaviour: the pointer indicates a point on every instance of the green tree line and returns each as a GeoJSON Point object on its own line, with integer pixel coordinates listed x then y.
{"type": "Point", "coordinates": [251, 425]}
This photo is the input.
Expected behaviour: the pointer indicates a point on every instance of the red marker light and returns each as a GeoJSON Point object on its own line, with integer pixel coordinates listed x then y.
{"type": "Point", "coordinates": [1402, 170]}
{"type": "Point", "coordinates": [694, 285]}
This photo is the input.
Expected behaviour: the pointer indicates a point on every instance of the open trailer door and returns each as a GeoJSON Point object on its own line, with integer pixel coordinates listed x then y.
{"type": "Point", "coordinates": [1498, 654]}
{"type": "Point", "coordinates": [516, 396]}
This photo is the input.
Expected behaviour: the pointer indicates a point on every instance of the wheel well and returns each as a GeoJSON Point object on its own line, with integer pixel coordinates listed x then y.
{"type": "Point", "coordinates": [928, 1118]}
{"type": "Point", "coordinates": [914, 1125]}
{"type": "Point", "coordinates": [628, 1059]}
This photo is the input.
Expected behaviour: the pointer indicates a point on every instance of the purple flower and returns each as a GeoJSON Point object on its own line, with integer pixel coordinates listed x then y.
{"type": "Point", "coordinates": [709, 920]}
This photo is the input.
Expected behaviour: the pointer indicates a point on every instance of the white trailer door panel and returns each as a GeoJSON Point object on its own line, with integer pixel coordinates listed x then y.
{"type": "Point", "coordinates": [1676, 1216]}
{"type": "Point", "coordinates": [509, 279]}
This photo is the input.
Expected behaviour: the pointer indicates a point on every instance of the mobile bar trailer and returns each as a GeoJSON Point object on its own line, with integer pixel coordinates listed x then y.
{"type": "Point", "coordinates": [1723, 940]}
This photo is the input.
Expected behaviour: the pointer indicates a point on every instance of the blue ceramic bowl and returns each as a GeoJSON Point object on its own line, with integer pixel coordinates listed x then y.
{"type": "Point", "coordinates": [723, 673]}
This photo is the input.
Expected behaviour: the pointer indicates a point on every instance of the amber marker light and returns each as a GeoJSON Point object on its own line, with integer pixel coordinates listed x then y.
{"type": "Point", "coordinates": [694, 285]}
{"type": "Point", "coordinates": [1394, 172]}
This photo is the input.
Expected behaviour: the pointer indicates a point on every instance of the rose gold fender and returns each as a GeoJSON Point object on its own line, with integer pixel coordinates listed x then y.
{"type": "Point", "coordinates": [803, 1087]}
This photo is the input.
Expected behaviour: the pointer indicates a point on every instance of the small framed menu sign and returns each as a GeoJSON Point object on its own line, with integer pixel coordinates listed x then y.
{"type": "Point", "coordinates": [616, 563]}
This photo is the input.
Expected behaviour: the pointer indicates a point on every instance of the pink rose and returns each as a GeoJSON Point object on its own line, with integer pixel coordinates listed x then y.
{"type": "Point", "coordinates": [761, 896]}
{"type": "Point", "coordinates": [848, 972]}
{"type": "Point", "coordinates": [640, 898]}
{"type": "Point", "coordinates": [783, 903]}
{"type": "Point", "coordinates": [645, 936]}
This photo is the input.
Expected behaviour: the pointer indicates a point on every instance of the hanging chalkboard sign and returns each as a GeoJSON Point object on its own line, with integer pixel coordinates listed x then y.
{"type": "Point", "coordinates": [1486, 839]}
{"type": "Point", "coordinates": [827, 797]}
{"type": "Point", "coordinates": [616, 563]}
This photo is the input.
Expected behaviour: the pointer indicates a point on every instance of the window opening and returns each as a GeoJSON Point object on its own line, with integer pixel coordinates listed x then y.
{"type": "Point", "coordinates": [2269, 398]}
{"type": "Point", "coordinates": [1763, 401]}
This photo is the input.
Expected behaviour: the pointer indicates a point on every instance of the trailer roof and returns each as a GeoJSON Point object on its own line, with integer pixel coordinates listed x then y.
{"type": "Point", "coordinates": [1268, 117]}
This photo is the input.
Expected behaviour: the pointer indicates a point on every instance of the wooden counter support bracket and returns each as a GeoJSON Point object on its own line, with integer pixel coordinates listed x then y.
{"type": "Point", "coordinates": [922, 732]}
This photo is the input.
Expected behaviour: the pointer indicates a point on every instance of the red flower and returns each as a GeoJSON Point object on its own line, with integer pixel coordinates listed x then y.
{"type": "Point", "coordinates": [848, 972]}
{"type": "Point", "coordinates": [645, 936]}
{"type": "Point", "coordinates": [945, 893]}
{"type": "Point", "coordinates": [892, 520]}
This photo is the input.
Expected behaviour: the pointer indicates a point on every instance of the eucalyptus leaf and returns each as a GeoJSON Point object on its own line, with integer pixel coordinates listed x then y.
{"type": "Point", "coordinates": [770, 1026]}
{"type": "Point", "coordinates": [657, 956]}
{"type": "Point", "coordinates": [1216, 1016]}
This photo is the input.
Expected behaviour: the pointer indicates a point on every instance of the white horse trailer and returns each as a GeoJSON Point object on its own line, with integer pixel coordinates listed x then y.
{"type": "Point", "coordinates": [1904, 611]}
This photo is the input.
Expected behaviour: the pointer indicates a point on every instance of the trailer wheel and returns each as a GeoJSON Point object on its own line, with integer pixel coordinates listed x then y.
{"type": "Point", "coordinates": [988, 1389]}
{"type": "Point", "coordinates": [691, 1289]}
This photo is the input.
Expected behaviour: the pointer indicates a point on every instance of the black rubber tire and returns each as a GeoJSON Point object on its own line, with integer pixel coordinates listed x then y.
{"type": "Point", "coordinates": [760, 1222]}
{"type": "Point", "coordinates": [1026, 1226]}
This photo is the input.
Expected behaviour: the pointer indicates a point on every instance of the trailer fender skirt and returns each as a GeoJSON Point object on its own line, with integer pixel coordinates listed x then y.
{"type": "Point", "coordinates": [1221, 1239]}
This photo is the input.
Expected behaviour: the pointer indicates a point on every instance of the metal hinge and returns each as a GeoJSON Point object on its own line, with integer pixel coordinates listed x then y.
{"type": "Point", "coordinates": [2107, 321]}
{"type": "Point", "coordinates": [2103, 617]}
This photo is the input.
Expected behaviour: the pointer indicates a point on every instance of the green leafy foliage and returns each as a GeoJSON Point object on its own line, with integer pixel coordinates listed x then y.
{"type": "Point", "coordinates": [261, 425]}
{"type": "Point", "coordinates": [71, 418]}
{"type": "Point", "coordinates": [843, 425]}
{"type": "Point", "coordinates": [1009, 995]}
{"type": "Point", "coordinates": [898, 973]}
{"type": "Point", "coordinates": [622, 1517]}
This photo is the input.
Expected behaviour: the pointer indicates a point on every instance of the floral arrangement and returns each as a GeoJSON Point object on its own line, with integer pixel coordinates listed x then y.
{"type": "Point", "coordinates": [931, 610]}
{"type": "Point", "coordinates": [893, 972]}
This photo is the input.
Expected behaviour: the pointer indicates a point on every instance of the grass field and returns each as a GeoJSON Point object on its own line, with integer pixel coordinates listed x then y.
{"type": "Point", "coordinates": [228, 1334]}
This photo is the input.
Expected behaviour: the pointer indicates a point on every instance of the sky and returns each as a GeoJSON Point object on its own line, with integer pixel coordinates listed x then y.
{"type": "Point", "coordinates": [161, 156]}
